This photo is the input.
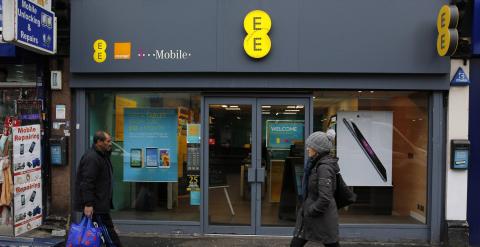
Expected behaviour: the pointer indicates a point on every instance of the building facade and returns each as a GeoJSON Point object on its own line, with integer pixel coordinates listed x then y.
{"type": "Point", "coordinates": [209, 106]}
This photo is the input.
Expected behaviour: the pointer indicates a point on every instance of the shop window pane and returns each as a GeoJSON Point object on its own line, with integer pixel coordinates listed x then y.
{"type": "Point", "coordinates": [382, 143]}
{"type": "Point", "coordinates": [8, 99]}
{"type": "Point", "coordinates": [156, 152]}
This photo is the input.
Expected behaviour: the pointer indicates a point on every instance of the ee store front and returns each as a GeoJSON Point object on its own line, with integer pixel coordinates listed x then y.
{"type": "Point", "coordinates": [210, 138]}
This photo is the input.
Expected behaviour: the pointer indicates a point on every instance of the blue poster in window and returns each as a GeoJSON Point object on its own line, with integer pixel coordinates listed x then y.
{"type": "Point", "coordinates": [283, 133]}
{"type": "Point", "coordinates": [151, 145]}
{"type": "Point", "coordinates": [195, 198]}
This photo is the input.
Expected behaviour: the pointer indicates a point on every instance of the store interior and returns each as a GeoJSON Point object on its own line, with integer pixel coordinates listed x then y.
{"type": "Point", "coordinates": [230, 146]}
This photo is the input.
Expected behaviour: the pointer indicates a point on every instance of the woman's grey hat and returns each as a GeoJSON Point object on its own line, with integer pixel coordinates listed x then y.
{"type": "Point", "coordinates": [320, 141]}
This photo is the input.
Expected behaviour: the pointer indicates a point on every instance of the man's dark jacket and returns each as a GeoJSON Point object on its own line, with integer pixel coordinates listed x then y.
{"type": "Point", "coordinates": [93, 184]}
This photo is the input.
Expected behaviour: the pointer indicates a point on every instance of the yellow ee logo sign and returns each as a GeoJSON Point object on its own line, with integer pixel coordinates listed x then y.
{"type": "Point", "coordinates": [99, 47]}
{"type": "Point", "coordinates": [447, 21]}
{"type": "Point", "coordinates": [257, 24]}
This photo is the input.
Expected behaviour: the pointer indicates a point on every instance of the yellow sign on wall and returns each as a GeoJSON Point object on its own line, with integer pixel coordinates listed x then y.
{"type": "Point", "coordinates": [99, 48]}
{"type": "Point", "coordinates": [257, 43]}
{"type": "Point", "coordinates": [447, 21]}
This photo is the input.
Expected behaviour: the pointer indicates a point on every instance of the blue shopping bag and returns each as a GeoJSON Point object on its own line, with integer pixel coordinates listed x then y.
{"type": "Point", "coordinates": [106, 236]}
{"type": "Point", "coordinates": [84, 234]}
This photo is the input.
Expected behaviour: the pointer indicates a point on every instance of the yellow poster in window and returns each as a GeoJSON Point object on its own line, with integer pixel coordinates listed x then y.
{"type": "Point", "coordinates": [120, 104]}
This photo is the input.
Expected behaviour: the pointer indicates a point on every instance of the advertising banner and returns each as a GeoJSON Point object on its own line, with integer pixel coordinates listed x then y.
{"type": "Point", "coordinates": [29, 25]}
{"type": "Point", "coordinates": [283, 133]}
{"type": "Point", "coordinates": [27, 178]}
{"type": "Point", "coordinates": [151, 146]}
{"type": "Point", "coordinates": [193, 133]}
{"type": "Point", "coordinates": [364, 147]}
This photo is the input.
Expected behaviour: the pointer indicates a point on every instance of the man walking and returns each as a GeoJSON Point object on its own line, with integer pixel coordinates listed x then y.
{"type": "Point", "coordinates": [93, 185]}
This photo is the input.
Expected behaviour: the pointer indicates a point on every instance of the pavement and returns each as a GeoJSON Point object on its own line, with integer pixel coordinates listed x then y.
{"type": "Point", "coordinates": [228, 240]}
{"type": "Point", "coordinates": [43, 238]}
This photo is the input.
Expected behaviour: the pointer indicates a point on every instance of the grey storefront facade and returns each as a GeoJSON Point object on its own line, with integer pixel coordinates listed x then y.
{"type": "Point", "coordinates": [326, 59]}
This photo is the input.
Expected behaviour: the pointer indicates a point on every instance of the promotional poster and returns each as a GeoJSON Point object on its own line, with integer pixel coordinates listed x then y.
{"type": "Point", "coordinates": [151, 145]}
{"type": "Point", "coordinates": [27, 178]}
{"type": "Point", "coordinates": [364, 147]}
{"type": "Point", "coordinates": [283, 133]}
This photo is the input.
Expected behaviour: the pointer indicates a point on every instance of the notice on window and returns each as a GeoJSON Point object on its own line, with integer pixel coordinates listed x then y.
{"type": "Point", "coordinates": [193, 133]}
{"type": "Point", "coordinates": [151, 145]}
{"type": "Point", "coordinates": [27, 179]}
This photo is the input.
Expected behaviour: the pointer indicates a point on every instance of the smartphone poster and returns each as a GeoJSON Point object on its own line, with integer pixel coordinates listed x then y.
{"type": "Point", "coordinates": [27, 179]}
{"type": "Point", "coordinates": [151, 144]}
{"type": "Point", "coordinates": [364, 147]}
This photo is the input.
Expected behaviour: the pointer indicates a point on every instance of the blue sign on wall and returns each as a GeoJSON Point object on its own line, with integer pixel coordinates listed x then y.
{"type": "Point", "coordinates": [35, 26]}
{"type": "Point", "coordinates": [460, 78]}
{"type": "Point", "coordinates": [29, 25]}
{"type": "Point", "coordinates": [151, 134]}
{"type": "Point", "coordinates": [476, 28]}
{"type": "Point", "coordinates": [282, 133]}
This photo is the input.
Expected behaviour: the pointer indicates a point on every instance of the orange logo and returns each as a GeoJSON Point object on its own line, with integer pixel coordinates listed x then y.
{"type": "Point", "coordinates": [122, 50]}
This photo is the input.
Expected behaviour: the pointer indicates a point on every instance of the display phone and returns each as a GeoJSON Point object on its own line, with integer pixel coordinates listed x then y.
{"type": "Point", "coordinates": [32, 197]}
{"type": "Point", "coordinates": [367, 149]}
{"type": "Point", "coordinates": [22, 149]}
{"type": "Point", "coordinates": [136, 157]}
{"type": "Point", "coordinates": [32, 147]}
{"type": "Point", "coordinates": [151, 159]}
{"type": "Point", "coordinates": [23, 200]}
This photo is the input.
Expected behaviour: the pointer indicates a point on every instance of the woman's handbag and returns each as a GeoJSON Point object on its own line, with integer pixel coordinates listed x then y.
{"type": "Point", "coordinates": [344, 196]}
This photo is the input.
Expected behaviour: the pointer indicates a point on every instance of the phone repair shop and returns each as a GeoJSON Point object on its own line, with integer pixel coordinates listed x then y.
{"type": "Point", "coordinates": [209, 115]}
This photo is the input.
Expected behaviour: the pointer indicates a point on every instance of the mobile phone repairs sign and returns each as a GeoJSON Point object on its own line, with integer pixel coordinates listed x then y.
{"type": "Point", "coordinates": [27, 179]}
{"type": "Point", "coordinates": [30, 26]}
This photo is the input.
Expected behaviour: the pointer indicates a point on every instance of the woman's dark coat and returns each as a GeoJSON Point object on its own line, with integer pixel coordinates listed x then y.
{"type": "Point", "coordinates": [317, 218]}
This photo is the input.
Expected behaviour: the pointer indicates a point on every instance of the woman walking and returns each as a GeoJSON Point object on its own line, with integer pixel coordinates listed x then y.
{"type": "Point", "coordinates": [317, 218]}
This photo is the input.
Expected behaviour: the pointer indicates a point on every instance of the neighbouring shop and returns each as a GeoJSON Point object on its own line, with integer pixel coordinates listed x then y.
{"type": "Point", "coordinates": [209, 107]}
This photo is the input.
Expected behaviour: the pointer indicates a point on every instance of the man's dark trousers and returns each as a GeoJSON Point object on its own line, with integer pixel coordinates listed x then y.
{"type": "Point", "coordinates": [106, 220]}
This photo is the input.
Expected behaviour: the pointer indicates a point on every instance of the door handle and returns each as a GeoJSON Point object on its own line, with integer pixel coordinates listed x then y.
{"type": "Point", "coordinates": [251, 175]}
{"type": "Point", "coordinates": [261, 175]}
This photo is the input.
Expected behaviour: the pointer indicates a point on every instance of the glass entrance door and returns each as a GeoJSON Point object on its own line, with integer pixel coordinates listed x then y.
{"type": "Point", "coordinates": [282, 126]}
{"type": "Point", "coordinates": [254, 158]}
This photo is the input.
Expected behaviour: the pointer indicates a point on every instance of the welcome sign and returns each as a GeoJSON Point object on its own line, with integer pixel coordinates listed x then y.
{"type": "Point", "coordinates": [281, 134]}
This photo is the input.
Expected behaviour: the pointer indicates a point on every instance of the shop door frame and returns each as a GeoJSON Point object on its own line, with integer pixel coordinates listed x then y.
{"type": "Point", "coordinates": [305, 101]}
{"type": "Point", "coordinates": [227, 229]}
{"type": "Point", "coordinates": [256, 196]}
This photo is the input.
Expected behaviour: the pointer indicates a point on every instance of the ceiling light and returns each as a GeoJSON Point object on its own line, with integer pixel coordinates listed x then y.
{"type": "Point", "coordinates": [234, 106]}
{"type": "Point", "coordinates": [266, 106]}
{"type": "Point", "coordinates": [291, 107]}
{"type": "Point", "coordinates": [300, 106]}
{"type": "Point", "coordinates": [359, 91]}
{"type": "Point", "coordinates": [289, 113]}
{"type": "Point", "coordinates": [265, 112]}
{"type": "Point", "coordinates": [224, 106]}
{"type": "Point", "coordinates": [232, 109]}
{"type": "Point", "coordinates": [294, 110]}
